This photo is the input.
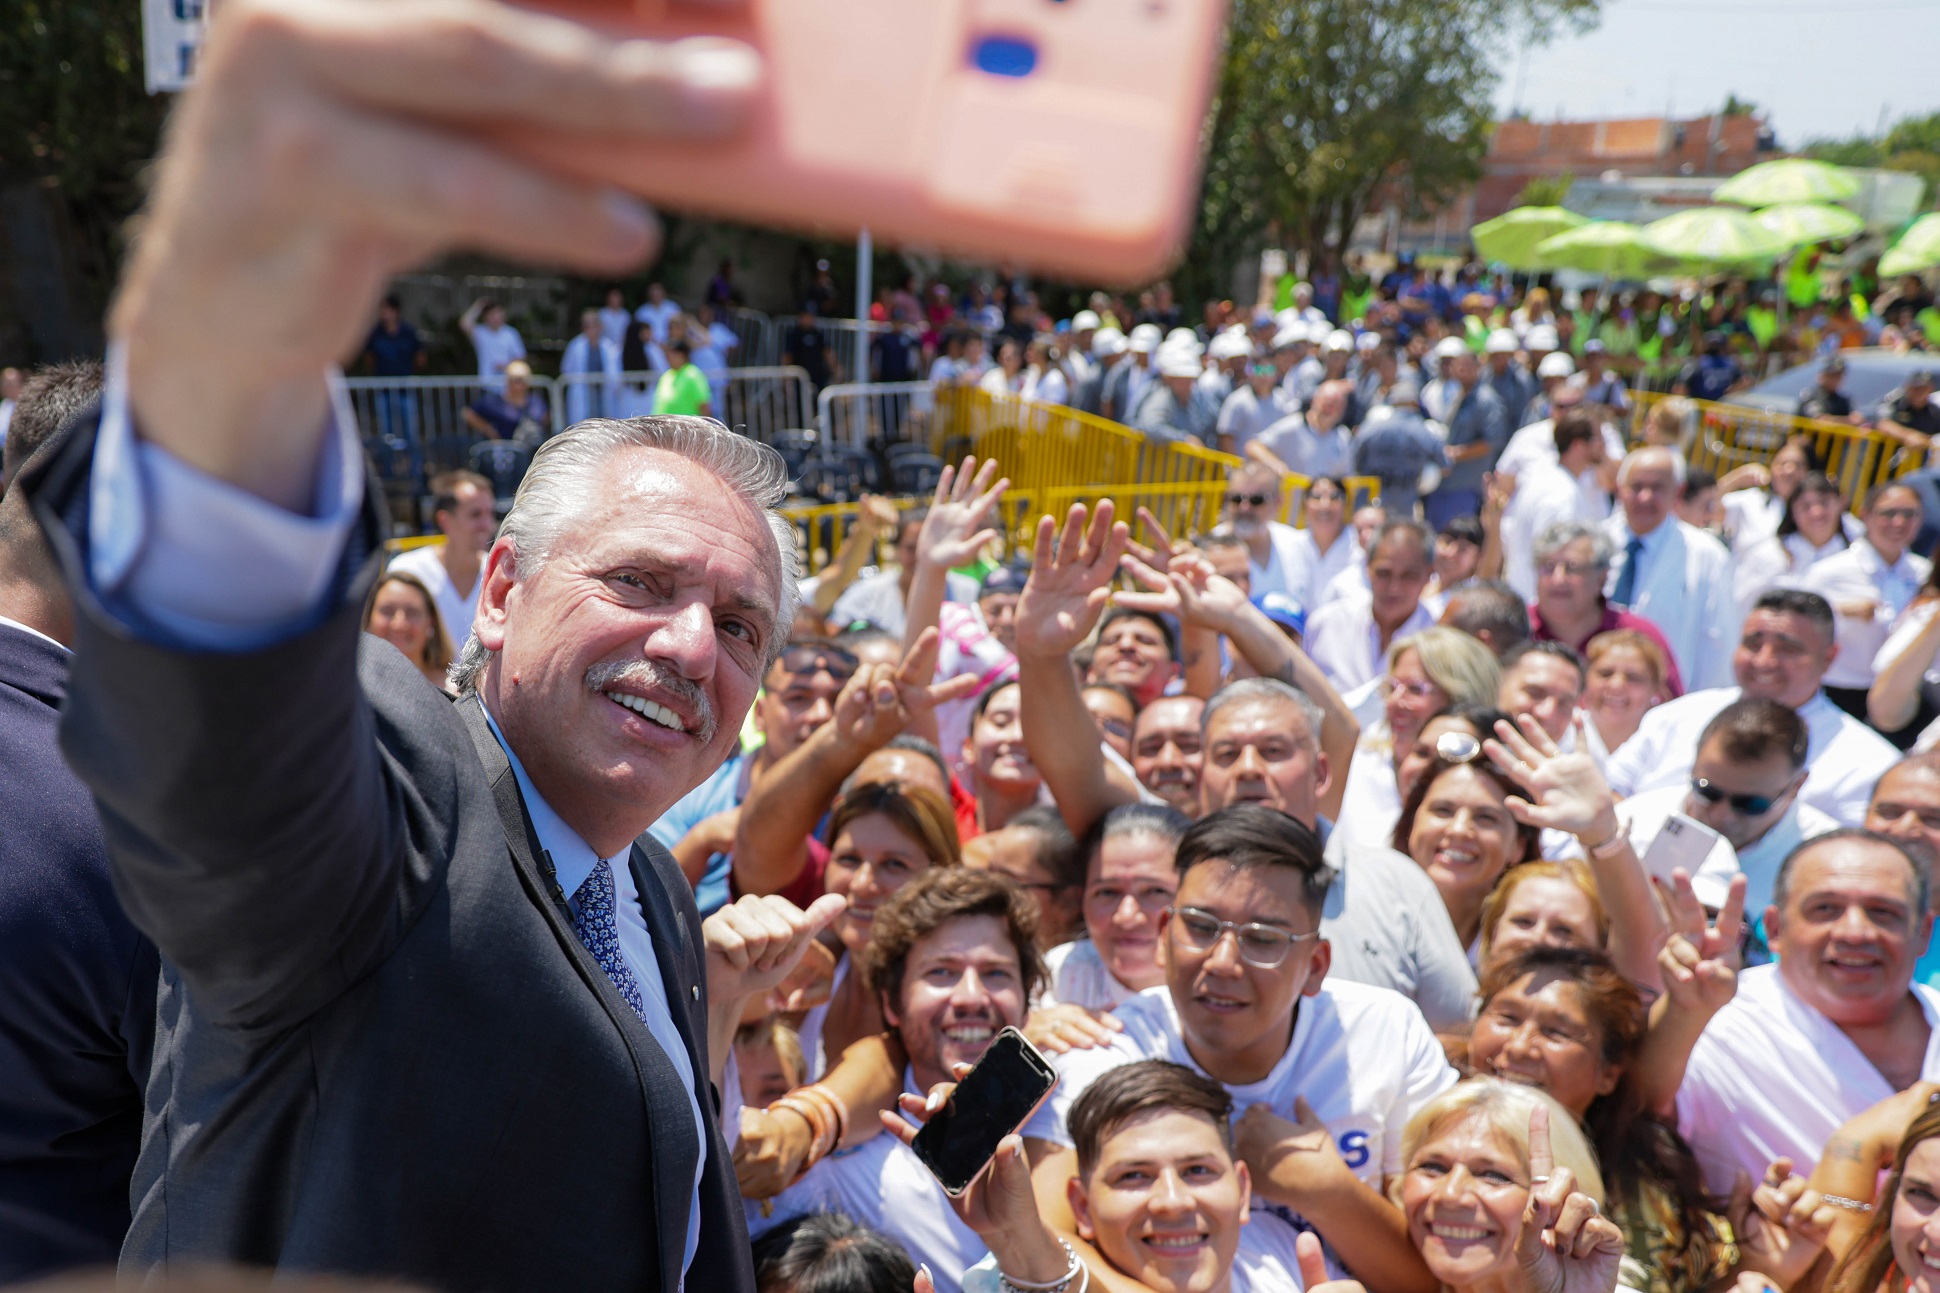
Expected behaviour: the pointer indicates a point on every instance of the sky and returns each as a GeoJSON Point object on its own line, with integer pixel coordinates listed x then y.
{"type": "Point", "coordinates": [1817, 67]}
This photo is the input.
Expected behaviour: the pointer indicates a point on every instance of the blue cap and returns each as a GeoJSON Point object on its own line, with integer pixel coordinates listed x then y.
{"type": "Point", "coordinates": [1282, 609]}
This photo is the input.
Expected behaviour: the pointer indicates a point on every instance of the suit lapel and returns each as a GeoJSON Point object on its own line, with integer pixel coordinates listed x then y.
{"type": "Point", "coordinates": [669, 1121]}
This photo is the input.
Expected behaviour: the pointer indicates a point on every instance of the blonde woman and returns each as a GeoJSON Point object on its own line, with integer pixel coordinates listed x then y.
{"type": "Point", "coordinates": [403, 613]}
{"type": "Point", "coordinates": [1426, 673]}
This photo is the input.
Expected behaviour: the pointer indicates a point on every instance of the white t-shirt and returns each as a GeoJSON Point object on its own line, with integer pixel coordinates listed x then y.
{"type": "Point", "coordinates": [1079, 978]}
{"type": "Point", "coordinates": [1546, 495]}
{"type": "Point", "coordinates": [659, 316]}
{"type": "Point", "coordinates": [1345, 642]}
{"type": "Point", "coordinates": [613, 324]}
{"type": "Point", "coordinates": [1773, 562]}
{"type": "Point", "coordinates": [1845, 758]}
{"type": "Point", "coordinates": [1771, 1076]}
{"type": "Point", "coordinates": [1371, 804]}
{"type": "Point", "coordinates": [1266, 1261]}
{"type": "Point", "coordinates": [1363, 1057]}
{"type": "Point", "coordinates": [877, 596]}
{"type": "Point", "coordinates": [1752, 516]}
{"type": "Point", "coordinates": [496, 348]}
{"type": "Point", "coordinates": [455, 608]}
{"type": "Point", "coordinates": [882, 1184]}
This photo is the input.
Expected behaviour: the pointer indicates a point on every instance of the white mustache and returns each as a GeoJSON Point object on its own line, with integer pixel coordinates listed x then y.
{"type": "Point", "coordinates": [645, 673]}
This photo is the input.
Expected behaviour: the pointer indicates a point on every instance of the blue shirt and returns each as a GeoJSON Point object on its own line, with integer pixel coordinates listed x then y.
{"type": "Point", "coordinates": [1708, 377]}
{"type": "Point", "coordinates": [1479, 418]}
{"type": "Point", "coordinates": [720, 792]}
{"type": "Point", "coordinates": [393, 354]}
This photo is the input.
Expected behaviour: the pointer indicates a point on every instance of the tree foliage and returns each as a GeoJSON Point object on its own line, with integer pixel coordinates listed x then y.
{"type": "Point", "coordinates": [76, 119]}
{"type": "Point", "coordinates": [1546, 190]}
{"type": "Point", "coordinates": [1325, 103]}
{"type": "Point", "coordinates": [1912, 145]}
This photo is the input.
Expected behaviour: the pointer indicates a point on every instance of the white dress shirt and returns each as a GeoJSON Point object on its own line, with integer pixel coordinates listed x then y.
{"type": "Point", "coordinates": [1546, 494]}
{"type": "Point", "coordinates": [1861, 574]}
{"type": "Point", "coordinates": [1775, 562]}
{"type": "Point", "coordinates": [613, 326]}
{"type": "Point", "coordinates": [1345, 642]}
{"type": "Point", "coordinates": [658, 317]}
{"type": "Point", "coordinates": [1684, 587]}
{"type": "Point", "coordinates": [210, 566]}
{"type": "Point", "coordinates": [585, 357]}
{"type": "Point", "coordinates": [1751, 516]}
{"type": "Point", "coordinates": [1843, 757]}
{"type": "Point", "coordinates": [496, 348]}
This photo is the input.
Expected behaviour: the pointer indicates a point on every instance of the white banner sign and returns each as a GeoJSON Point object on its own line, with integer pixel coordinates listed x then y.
{"type": "Point", "coordinates": [171, 39]}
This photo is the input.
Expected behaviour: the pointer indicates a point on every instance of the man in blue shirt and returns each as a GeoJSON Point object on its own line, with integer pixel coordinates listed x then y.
{"type": "Point", "coordinates": [1477, 431]}
{"type": "Point", "coordinates": [1712, 373]}
{"type": "Point", "coordinates": [394, 350]}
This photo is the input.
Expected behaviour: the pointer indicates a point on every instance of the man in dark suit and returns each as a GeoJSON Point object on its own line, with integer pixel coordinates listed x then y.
{"type": "Point", "coordinates": [427, 1009]}
{"type": "Point", "coordinates": [77, 1013]}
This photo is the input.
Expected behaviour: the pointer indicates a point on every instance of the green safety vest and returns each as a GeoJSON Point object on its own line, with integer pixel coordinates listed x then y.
{"type": "Point", "coordinates": [1619, 338]}
{"type": "Point", "coordinates": [1802, 282]}
{"type": "Point", "coordinates": [1477, 332]}
{"type": "Point", "coordinates": [1763, 324]}
{"type": "Point", "coordinates": [1586, 327]}
{"type": "Point", "coordinates": [1283, 293]}
{"type": "Point", "coordinates": [1929, 321]}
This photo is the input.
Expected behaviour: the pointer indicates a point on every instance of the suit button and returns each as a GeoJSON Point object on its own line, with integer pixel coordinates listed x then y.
{"type": "Point", "coordinates": [697, 992]}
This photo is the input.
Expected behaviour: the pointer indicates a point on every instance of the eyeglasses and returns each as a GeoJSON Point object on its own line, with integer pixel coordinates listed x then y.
{"type": "Point", "coordinates": [1247, 500]}
{"type": "Point", "coordinates": [1420, 690]}
{"type": "Point", "coordinates": [810, 659]}
{"type": "Point", "coordinates": [1897, 513]}
{"type": "Point", "coordinates": [1458, 747]}
{"type": "Point", "coordinates": [1743, 805]}
{"type": "Point", "coordinates": [1264, 946]}
{"type": "Point", "coordinates": [1574, 569]}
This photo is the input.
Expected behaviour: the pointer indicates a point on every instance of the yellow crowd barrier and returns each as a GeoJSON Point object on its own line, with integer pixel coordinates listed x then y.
{"type": "Point", "coordinates": [1726, 436]}
{"type": "Point", "coordinates": [1056, 456]}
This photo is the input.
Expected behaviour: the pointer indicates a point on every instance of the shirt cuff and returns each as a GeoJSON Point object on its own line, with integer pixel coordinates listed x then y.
{"type": "Point", "coordinates": [178, 554]}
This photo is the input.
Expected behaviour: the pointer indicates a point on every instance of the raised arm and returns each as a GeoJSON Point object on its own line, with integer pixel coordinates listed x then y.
{"type": "Point", "coordinates": [468, 321]}
{"type": "Point", "coordinates": [1699, 968]}
{"type": "Point", "coordinates": [874, 516]}
{"type": "Point", "coordinates": [1497, 490]}
{"type": "Point", "coordinates": [1894, 697]}
{"type": "Point", "coordinates": [1062, 601]}
{"type": "Point", "coordinates": [782, 807]}
{"type": "Point", "coordinates": [953, 534]}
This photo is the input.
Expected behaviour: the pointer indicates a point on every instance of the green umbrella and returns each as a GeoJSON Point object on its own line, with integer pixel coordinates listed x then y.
{"type": "Point", "coordinates": [1511, 237]}
{"type": "Point", "coordinates": [1801, 224]}
{"type": "Point", "coordinates": [1791, 179]}
{"type": "Point", "coordinates": [1714, 237]}
{"type": "Point", "coordinates": [1607, 247]}
{"type": "Point", "coordinates": [1918, 248]}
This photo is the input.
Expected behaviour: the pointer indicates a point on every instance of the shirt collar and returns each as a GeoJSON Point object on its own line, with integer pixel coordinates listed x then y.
{"type": "Point", "coordinates": [65, 650]}
{"type": "Point", "coordinates": [573, 859]}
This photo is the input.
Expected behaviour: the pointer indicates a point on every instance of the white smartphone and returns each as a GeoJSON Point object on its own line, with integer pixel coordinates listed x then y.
{"type": "Point", "coordinates": [1683, 842]}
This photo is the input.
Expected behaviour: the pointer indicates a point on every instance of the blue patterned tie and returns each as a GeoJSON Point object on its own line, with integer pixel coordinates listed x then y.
{"type": "Point", "coordinates": [1626, 588]}
{"type": "Point", "coordinates": [600, 933]}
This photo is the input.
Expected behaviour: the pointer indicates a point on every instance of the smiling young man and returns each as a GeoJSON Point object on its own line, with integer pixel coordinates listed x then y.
{"type": "Point", "coordinates": [1326, 1073]}
{"type": "Point", "coordinates": [954, 960]}
{"type": "Point", "coordinates": [1137, 651]}
{"type": "Point", "coordinates": [1834, 1028]}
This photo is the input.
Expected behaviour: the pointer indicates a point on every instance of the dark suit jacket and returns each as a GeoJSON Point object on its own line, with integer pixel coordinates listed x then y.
{"type": "Point", "coordinates": [380, 1048]}
{"type": "Point", "coordinates": [77, 993]}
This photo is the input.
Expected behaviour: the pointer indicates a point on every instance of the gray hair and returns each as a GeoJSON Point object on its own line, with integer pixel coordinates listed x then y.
{"type": "Point", "coordinates": [1676, 460]}
{"type": "Point", "coordinates": [1551, 542]}
{"type": "Point", "coordinates": [1246, 689]}
{"type": "Point", "coordinates": [566, 468]}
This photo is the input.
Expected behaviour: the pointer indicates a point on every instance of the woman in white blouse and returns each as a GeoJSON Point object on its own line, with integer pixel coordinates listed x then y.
{"type": "Point", "coordinates": [1752, 515]}
{"type": "Point", "coordinates": [1906, 669]}
{"type": "Point", "coordinates": [1130, 880]}
{"type": "Point", "coordinates": [1007, 376]}
{"type": "Point", "coordinates": [1812, 530]}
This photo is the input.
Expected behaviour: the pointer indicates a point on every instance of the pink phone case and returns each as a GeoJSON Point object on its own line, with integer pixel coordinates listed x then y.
{"type": "Point", "coordinates": [1062, 135]}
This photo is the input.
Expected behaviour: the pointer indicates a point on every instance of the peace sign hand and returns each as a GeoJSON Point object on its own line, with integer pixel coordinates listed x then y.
{"type": "Point", "coordinates": [1782, 1225]}
{"type": "Point", "coordinates": [1566, 1245]}
{"type": "Point", "coordinates": [876, 704]}
{"type": "Point", "coordinates": [953, 533]}
{"type": "Point", "coordinates": [1070, 580]}
{"type": "Point", "coordinates": [1699, 961]}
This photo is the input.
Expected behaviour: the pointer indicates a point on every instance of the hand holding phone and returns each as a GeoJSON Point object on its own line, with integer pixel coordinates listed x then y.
{"type": "Point", "coordinates": [991, 1101]}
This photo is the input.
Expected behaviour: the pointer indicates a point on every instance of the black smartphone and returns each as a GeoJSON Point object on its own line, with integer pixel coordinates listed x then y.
{"type": "Point", "coordinates": [994, 1099]}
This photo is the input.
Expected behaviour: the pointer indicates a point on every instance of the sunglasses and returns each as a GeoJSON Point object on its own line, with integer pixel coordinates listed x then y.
{"type": "Point", "coordinates": [1743, 805]}
{"type": "Point", "coordinates": [834, 661]}
{"type": "Point", "coordinates": [1247, 500]}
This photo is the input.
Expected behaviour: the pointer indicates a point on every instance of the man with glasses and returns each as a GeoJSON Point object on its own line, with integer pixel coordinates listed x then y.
{"type": "Point", "coordinates": [1744, 784]}
{"type": "Point", "coordinates": [1326, 1073]}
{"type": "Point", "coordinates": [1277, 561]}
{"type": "Point", "coordinates": [1783, 655]}
{"type": "Point", "coordinates": [798, 696]}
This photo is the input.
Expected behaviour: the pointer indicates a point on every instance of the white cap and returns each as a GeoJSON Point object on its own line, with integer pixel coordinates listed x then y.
{"type": "Point", "coordinates": [1108, 341]}
{"type": "Point", "coordinates": [1501, 342]}
{"type": "Point", "coordinates": [1180, 359]}
{"type": "Point", "coordinates": [1541, 337]}
{"type": "Point", "coordinates": [1227, 346]}
{"type": "Point", "coordinates": [1182, 337]}
{"type": "Point", "coordinates": [1289, 337]}
{"type": "Point", "coordinates": [1145, 338]}
{"type": "Point", "coordinates": [1339, 339]}
{"type": "Point", "coordinates": [1085, 319]}
{"type": "Point", "coordinates": [1556, 364]}
{"type": "Point", "coordinates": [1368, 342]}
{"type": "Point", "coordinates": [1288, 317]}
{"type": "Point", "coordinates": [1449, 348]}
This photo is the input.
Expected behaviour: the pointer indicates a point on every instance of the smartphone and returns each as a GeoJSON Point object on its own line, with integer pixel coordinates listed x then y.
{"type": "Point", "coordinates": [1683, 842]}
{"type": "Point", "coordinates": [994, 1099]}
{"type": "Point", "coordinates": [1062, 135]}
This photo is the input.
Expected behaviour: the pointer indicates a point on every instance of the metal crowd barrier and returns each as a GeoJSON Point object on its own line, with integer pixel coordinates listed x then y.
{"type": "Point", "coordinates": [755, 401]}
{"type": "Point", "coordinates": [1730, 435]}
{"type": "Point", "coordinates": [760, 337]}
{"type": "Point", "coordinates": [858, 413]}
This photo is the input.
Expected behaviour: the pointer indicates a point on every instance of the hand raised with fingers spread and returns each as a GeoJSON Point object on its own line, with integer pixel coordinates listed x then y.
{"type": "Point", "coordinates": [1699, 961]}
{"type": "Point", "coordinates": [1191, 589]}
{"type": "Point", "coordinates": [1565, 792]}
{"type": "Point", "coordinates": [953, 533]}
{"type": "Point", "coordinates": [1565, 1245]}
{"type": "Point", "coordinates": [1070, 581]}
{"type": "Point", "coordinates": [876, 704]}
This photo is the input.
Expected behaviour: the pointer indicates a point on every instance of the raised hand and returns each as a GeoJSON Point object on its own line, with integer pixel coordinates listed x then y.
{"type": "Point", "coordinates": [1164, 546]}
{"type": "Point", "coordinates": [877, 702]}
{"type": "Point", "coordinates": [1782, 1225]}
{"type": "Point", "coordinates": [1190, 589]}
{"type": "Point", "coordinates": [953, 533]}
{"type": "Point", "coordinates": [1290, 1161]}
{"type": "Point", "coordinates": [1699, 961]}
{"type": "Point", "coordinates": [1565, 792]}
{"type": "Point", "coordinates": [1498, 490]}
{"type": "Point", "coordinates": [1070, 580]}
{"type": "Point", "coordinates": [1566, 1245]}
{"type": "Point", "coordinates": [753, 944]}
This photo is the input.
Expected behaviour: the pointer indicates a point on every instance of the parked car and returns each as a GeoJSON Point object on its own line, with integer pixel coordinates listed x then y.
{"type": "Point", "coordinates": [1871, 375]}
